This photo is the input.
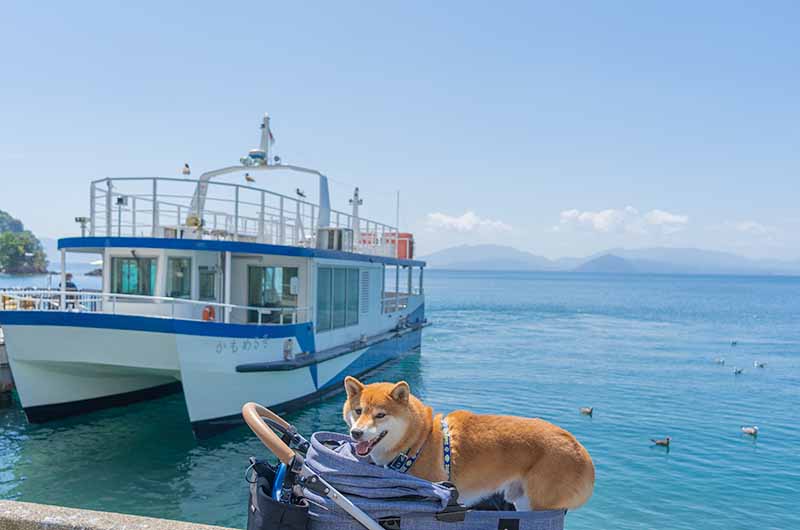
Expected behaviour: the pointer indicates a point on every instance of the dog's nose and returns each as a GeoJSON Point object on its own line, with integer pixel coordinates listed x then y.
{"type": "Point", "coordinates": [356, 433]}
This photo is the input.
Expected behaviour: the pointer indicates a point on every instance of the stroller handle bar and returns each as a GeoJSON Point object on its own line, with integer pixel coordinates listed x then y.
{"type": "Point", "coordinates": [253, 414]}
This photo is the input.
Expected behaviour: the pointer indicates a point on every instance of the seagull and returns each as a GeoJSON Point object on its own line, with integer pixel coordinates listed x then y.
{"type": "Point", "coordinates": [759, 365]}
{"type": "Point", "coordinates": [587, 411]}
{"type": "Point", "coordinates": [719, 360]}
{"type": "Point", "coordinates": [664, 442]}
{"type": "Point", "coordinates": [737, 371]}
{"type": "Point", "coordinates": [752, 431]}
{"type": "Point", "coordinates": [186, 171]}
{"type": "Point", "coordinates": [248, 178]}
{"type": "Point", "coordinates": [300, 193]}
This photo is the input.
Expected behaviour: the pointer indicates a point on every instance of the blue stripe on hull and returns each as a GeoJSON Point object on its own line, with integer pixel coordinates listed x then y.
{"type": "Point", "coordinates": [302, 332]}
{"type": "Point", "coordinates": [377, 355]}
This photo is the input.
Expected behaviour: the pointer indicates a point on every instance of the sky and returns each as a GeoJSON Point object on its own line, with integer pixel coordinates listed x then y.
{"type": "Point", "coordinates": [561, 128]}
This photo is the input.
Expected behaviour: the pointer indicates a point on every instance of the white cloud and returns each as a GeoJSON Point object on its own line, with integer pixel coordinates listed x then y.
{"type": "Point", "coordinates": [624, 220]}
{"type": "Point", "coordinates": [467, 222]}
{"type": "Point", "coordinates": [754, 228]}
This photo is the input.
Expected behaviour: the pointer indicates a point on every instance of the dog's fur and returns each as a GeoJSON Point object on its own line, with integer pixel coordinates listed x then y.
{"type": "Point", "coordinates": [533, 463]}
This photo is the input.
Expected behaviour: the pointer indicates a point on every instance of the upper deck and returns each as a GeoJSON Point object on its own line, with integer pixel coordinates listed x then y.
{"type": "Point", "coordinates": [161, 207]}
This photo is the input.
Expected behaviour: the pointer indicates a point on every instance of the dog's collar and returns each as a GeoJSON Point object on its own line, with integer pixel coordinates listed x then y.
{"type": "Point", "coordinates": [446, 446]}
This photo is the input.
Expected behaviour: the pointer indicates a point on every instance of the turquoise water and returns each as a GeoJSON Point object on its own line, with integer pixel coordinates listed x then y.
{"type": "Point", "coordinates": [639, 349]}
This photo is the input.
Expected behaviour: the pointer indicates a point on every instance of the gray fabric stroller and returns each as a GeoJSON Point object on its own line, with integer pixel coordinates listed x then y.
{"type": "Point", "coordinates": [330, 488]}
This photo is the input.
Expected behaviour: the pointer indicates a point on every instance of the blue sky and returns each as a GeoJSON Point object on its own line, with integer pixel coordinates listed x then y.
{"type": "Point", "coordinates": [562, 128]}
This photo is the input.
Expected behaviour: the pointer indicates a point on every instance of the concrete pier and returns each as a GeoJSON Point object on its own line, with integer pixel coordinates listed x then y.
{"type": "Point", "coordinates": [28, 516]}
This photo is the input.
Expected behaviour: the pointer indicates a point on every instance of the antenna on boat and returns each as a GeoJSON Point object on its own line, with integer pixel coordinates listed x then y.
{"type": "Point", "coordinates": [260, 156]}
{"type": "Point", "coordinates": [256, 160]}
{"type": "Point", "coordinates": [356, 201]}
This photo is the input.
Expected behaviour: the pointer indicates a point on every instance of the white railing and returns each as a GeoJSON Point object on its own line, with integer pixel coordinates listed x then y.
{"type": "Point", "coordinates": [392, 302]}
{"type": "Point", "coordinates": [159, 207]}
{"type": "Point", "coordinates": [142, 305]}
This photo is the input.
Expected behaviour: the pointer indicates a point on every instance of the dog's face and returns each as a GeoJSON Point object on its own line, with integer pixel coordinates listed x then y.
{"type": "Point", "coordinates": [378, 416]}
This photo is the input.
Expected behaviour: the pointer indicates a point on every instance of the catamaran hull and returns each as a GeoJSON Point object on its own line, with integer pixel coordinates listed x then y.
{"type": "Point", "coordinates": [70, 363]}
{"type": "Point", "coordinates": [279, 389]}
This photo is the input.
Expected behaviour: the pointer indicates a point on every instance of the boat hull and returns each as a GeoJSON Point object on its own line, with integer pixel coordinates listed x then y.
{"type": "Point", "coordinates": [70, 363]}
{"type": "Point", "coordinates": [281, 390]}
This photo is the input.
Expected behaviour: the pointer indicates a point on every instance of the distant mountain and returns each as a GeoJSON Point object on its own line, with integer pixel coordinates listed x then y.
{"type": "Point", "coordinates": [658, 260]}
{"type": "Point", "coordinates": [488, 257]}
{"type": "Point", "coordinates": [698, 261]}
{"type": "Point", "coordinates": [607, 263]}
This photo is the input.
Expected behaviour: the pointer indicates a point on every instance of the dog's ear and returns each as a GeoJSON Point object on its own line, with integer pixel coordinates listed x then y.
{"type": "Point", "coordinates": [352, 386]}
{"type": "Point", "coordinates": [400, 392]}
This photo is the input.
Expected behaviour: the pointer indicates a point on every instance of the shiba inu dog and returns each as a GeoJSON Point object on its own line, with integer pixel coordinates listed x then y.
{"type": "Point", "coordinates": [533, 463]}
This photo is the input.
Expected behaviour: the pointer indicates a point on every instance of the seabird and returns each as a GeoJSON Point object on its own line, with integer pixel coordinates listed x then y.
{"type": "Point", "coordinates": [664, 442]}
{"type": "Point", "coordinates": [759, 365]}
{"type": "Point", "coordinates": [719, 360]}
{"type": "Point", "coordinates": [734, 343]}
{"type": "Point", "coordinates": [737, 371]}
{"type": "Point", "coordinates": [752, 431]}
{"type": "Point", "coordinates": [587, 411]}
{"type": "Point", "coordinates": [300, 193]}
{"type": "Point", "coordinates": [248, 178]}
{"type": "Point", "coordinates": [186, 170]}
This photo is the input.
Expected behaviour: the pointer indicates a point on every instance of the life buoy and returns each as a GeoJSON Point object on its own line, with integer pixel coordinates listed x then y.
{"type": "Point", "coordinates": [209, 313]}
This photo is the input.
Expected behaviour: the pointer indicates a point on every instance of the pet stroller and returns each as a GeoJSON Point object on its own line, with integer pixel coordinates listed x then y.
{"type": "Point", "coordinates": [322, 485]}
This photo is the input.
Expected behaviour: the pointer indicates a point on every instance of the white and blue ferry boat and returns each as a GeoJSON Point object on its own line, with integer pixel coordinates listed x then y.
{"type": "Point", "coordinates": [231, 292]}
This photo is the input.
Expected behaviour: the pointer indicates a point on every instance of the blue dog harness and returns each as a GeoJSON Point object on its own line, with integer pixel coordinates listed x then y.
{"type": "Point", "coordinates": [446, 446]}
{"type": "Point", "coordinates": [403, 462]}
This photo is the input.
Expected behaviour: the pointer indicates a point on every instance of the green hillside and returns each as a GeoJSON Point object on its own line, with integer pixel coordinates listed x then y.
{"type": "Point", "coordinates": [20, 251]}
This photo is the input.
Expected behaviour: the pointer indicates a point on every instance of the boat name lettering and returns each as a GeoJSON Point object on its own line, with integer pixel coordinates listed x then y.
{"type": "Point", "coordinates": [234, 346]}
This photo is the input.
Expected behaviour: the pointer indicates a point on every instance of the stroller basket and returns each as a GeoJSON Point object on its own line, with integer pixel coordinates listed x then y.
{"type": "Point", "coordinates": [331, 488]}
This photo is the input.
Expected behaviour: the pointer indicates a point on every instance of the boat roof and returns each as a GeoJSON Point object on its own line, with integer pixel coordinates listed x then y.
{"type": "Point", "coordinates": [98, 244]}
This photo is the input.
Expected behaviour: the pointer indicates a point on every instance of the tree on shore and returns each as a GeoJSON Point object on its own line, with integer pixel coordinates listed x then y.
{"type": "Point", "coordinates": [20, 251]}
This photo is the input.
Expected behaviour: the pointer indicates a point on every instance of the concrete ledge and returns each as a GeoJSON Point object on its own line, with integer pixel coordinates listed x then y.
{"type": "Point", "coordinates": [28, 516]}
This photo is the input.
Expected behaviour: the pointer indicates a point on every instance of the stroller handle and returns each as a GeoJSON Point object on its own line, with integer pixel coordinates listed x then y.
{"type": "Point", "coordinates": [252, 413]}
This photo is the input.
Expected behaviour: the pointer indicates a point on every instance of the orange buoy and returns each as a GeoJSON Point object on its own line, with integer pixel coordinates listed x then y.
{"type": "Point", "coordinates": [208, 313]}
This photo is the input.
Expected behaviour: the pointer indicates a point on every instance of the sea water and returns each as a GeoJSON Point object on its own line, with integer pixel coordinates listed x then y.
{"type": "Point", "coordinates": [640, 349]}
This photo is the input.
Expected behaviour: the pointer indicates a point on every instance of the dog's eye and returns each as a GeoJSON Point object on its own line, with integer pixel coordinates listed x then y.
{"type": "Point", "coordinates": [380, 415]}
{"type": "Point", "coordinates": [358, 412]}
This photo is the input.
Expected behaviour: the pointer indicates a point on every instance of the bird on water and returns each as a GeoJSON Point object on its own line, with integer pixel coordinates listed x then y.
{"type": "Point", "coordinates": [663, 442]}
{"type": "Point", "coordinates": [587, 411]}
{"type": "Point", "coordinates": [752, 431]}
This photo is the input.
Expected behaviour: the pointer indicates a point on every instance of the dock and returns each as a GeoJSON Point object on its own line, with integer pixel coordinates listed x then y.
{"type": "Point", "coordinates": [29, 516]}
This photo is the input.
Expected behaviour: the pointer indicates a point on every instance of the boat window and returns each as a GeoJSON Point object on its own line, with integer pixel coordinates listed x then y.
{"type": "Point", "coordinates": [272, 287]}
{"type": "Point", "coordinates": [179, 277]}
{"type": "Point", "coordinates": [133, 276]}
{"type": "Point", "coordinates": [337, 297]}
{"type": "Point", "coordinates": [324, 283]}
{"type": "Point", "coordinates": [352, 297]}
{"type": "Point", "coordinates": [208, 283]}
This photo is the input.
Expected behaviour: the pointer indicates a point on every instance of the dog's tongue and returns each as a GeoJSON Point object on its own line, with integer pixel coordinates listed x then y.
{"type": "Point", "coordinates": [362, 448]}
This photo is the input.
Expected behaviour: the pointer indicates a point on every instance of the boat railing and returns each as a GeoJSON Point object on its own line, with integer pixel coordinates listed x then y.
{"type": "Point", "coordinates": [392, 302]}
{"type": "Point", "coordinates": [161, 207]}
{"type": "Point", "coordinates": [143, 305]}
